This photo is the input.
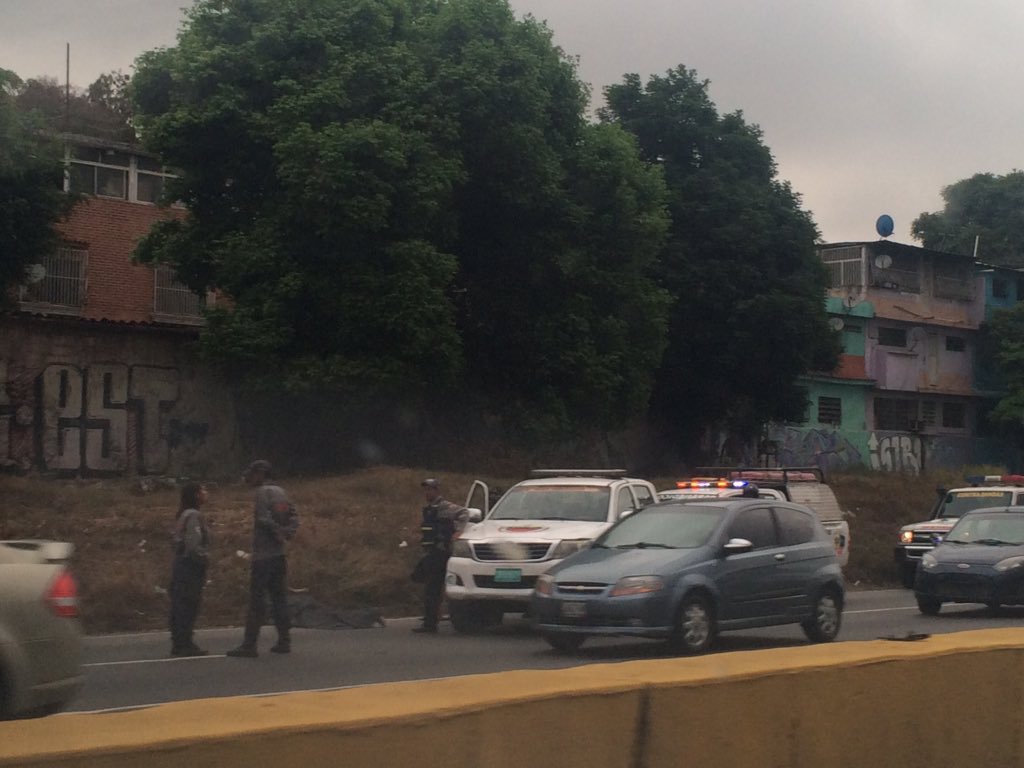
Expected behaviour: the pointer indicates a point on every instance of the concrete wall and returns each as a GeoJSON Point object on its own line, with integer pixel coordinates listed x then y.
{"type": "Point", "coordinates": [951, 700]}
{"type": "Point", "coordinates": [103, 398]}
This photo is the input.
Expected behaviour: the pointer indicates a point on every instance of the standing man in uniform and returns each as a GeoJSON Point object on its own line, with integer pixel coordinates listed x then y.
{"type": "Point", "coordinates": [442, 522]}
{"type": "Point", "coordinates": [274, 523]}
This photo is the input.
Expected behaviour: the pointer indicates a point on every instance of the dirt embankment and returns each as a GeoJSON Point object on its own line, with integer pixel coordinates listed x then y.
{"type": "Point", "coordinates": [356, 545]}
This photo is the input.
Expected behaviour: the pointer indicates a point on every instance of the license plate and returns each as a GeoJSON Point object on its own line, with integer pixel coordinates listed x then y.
{"type": "Point", "coordinates": [508, 575]}
{"type": "Point", "coordinates": [574, 610]}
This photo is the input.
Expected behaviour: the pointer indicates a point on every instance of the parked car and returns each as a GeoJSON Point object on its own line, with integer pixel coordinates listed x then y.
{"type": "Point", "coordinates": [686, 571]}
{"type": "Point", "coordinates": [537, 522]}
{"type": "Point", "coordinates": [981, 560]}
{"type": "Point", "coordinates": [40, 636]}
{"type": "Point", "coordinates": [917, 539]}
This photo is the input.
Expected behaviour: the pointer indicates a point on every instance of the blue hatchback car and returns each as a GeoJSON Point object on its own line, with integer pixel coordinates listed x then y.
{"type": "Point", "coordinates": [684, 572]}
{"type": "Point", "coordinates": [981, 560]}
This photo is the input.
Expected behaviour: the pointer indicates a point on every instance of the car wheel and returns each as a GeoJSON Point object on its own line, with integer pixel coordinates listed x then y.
{"type": "Point", "coordinates": [466, 619]}
{"type": "Point", "coordinates": [565, 643]}
{"type": "Point", "coordinates": [909, 573]}
{"type": "Point", "coordinates": [695, 626]}
{"type": "Point", "coordinates": [826, 619]}
{"type": "Point", "coordinates": [929, 606]}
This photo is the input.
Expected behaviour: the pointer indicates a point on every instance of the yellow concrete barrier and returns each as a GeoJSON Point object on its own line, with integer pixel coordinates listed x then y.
{"type": "Point", "coordinates": [950, 700]}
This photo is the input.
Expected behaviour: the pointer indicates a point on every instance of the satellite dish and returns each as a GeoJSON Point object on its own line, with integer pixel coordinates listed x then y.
{"type": "Point", "coordinates": [836, 323]}
{"type": "Point", "coordinates": [884, 225]}
{"type": "Point", "coordinates": [35, 273]}
{"type": "Point", "coordinates": [883, 261]}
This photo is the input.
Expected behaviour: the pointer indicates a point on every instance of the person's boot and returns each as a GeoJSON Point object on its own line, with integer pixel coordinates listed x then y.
{"type": "Point", "coordinates": [282, 646]}
{"type": "Point", "coordinates": [243, 652]}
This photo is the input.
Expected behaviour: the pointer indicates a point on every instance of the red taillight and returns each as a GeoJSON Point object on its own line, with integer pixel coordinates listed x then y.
{"type": "Point", "coordinates": [63, 595]}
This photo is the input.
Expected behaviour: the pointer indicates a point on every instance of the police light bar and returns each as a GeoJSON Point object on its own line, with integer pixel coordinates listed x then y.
{"type": "Point", "coordinates": [708, 482]}
{"type": "Point", "coordinates": [995, 479]}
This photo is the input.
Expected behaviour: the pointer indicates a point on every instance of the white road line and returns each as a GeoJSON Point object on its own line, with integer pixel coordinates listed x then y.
{"type": "Point", "coordinates": [154, 661]}
{"type": "Point", "coordinates": [883, 610]}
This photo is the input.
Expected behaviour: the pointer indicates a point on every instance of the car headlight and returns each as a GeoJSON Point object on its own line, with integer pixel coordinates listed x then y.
{"type": "Point", "coordinates": [1010, 564]}
{"type": "Point", "coordinates": [637, 585]}
{"type": "Point", "coordinates": [545, 585]}
{"type": "Point", "coordinates": [569, 547]}
{"type": "Point", "coordinates": [906, 537]}
{"type": "Point", "coordinates": [461, 548]}
{"type": "Point", "coordinates": [928, 561]}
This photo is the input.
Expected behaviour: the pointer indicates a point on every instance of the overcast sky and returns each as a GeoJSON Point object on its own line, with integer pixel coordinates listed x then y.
{"type": "Point", "coordinates": [869, 106]}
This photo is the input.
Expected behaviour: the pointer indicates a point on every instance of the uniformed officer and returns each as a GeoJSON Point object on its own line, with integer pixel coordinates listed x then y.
{"type": "Point", "coordinates": [442, 522]}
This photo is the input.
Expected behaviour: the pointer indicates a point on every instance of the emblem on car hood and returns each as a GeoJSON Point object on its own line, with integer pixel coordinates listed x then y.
{"type": "Point", "coordinates": [522, 528]}
{"type": "Point", "coordinates": [963, 565]}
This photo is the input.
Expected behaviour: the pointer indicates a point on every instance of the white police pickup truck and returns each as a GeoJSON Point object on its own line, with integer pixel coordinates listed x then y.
{"type": "Point", "coordinates": [499, 555]}
{"type": "Point", "coordinates": [801, 485]}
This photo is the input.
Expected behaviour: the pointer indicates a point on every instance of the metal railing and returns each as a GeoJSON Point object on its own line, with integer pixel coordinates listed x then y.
{"type": "Point", "coordinates": [171, 297]}
{"type": "Point", "coordinates": [58, 279]}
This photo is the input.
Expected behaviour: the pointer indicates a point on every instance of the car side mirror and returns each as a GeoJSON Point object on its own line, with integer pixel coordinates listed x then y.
{"type": "Point", "coordinates": [626, 513]}
{"type": "Point", "coordinates": [738, 546]}
{"type": "Point", "coordinates": [475, 515]}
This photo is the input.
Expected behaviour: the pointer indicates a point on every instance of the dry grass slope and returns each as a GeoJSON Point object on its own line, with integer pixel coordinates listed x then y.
{"type": "Point", "coordinates": [348, 552]}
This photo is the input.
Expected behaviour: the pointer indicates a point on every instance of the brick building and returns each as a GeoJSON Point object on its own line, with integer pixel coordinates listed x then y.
{"type": "Point", "coordinates": [97, 368]}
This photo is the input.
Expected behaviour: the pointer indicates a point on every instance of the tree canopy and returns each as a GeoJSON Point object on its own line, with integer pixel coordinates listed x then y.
{"type": "Point", "coordinates": [986, 209]}
{"type": "Point", "coordinates": [402, 196]}
{"type": "Point", "coordinates": [31, 197]}
{"type": "Point", "coordinates": [748, 290]}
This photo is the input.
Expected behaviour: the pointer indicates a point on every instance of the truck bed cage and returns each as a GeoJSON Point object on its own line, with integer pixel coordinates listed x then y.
{"type": "Point", "coordinates": [766, 474]}
{"type": "Point", "coordinates": [578, 472]}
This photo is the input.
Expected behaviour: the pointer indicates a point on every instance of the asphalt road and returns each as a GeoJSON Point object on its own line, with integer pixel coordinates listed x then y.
{"type": "Point", "coordinates": [127, 671]}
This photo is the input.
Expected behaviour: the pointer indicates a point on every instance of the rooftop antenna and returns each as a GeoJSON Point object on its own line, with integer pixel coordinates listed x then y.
{"type": "Point", "coordinates": [976, 239]}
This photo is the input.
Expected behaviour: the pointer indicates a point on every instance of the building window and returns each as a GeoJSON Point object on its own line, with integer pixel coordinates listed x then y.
{"type": "Point", "coordinates": [109, 173]}
{"type": "Point", "coordinates": [844, 266]}
{"type": "Point", "coordinates": [830, 410]}
{"type": "Point", "coordinates": [1000, 288]}
{"type": "Point", "coordinates": [953, 281]}
{"type": "Point", "coordinates": [174, 298]}
{"type": "Point", "coordinates": [894, 414]}
{"type": "Point", "coordinates": [892, 337]}
{"type": "Point", "coordinates": [954, 415]}
{"type": "Point", "coordinates": [58, 279]}
{"type": "Point", "coordinates": [955, 344]}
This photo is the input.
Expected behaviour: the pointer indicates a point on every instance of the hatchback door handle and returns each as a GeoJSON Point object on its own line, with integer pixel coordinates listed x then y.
{"type": "Point", "coordinates": [780, 557]}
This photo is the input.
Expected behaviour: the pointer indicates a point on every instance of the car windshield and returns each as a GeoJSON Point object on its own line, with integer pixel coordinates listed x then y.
{"type": "Point", "coordinates": [995, 528]}
{"type": "Point", "coordinates": [553, 502]}
{"type": "Point", "coordinates": [958, 503]}
{"type": "Point", "coordinates": [675, 527]}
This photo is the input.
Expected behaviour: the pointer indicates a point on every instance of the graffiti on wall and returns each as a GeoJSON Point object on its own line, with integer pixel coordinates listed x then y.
{"type": "Point", "coordinates": [103, 418]}
{"type": "Point", "coordinates": [824, 448]}
{"type": "Point", "coordinates": [895, 452]}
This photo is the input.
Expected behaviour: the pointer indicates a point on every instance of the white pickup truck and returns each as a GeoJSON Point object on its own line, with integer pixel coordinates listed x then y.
{"type": "Point", "coordinates": [801, 485]}
{"type": "Point", "coordinates": [496, 560]}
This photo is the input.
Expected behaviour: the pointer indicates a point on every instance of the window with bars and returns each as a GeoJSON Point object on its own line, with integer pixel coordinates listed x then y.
{"type": "Point", "coordinates": [174, 298]}
{"type": "Point", "coordinates": [830, 410]}
{"type": "Point", "coordinates": [954, 415]}
{"type": "Point", "coordinates": [844, 266]}
{"type": "Point", "coordinates": [894, 414]}
{"type": "Point", "coordinates": [58, 279]}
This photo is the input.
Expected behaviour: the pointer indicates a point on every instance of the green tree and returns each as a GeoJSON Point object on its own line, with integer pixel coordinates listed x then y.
{"type": "Point", "coordinates": [748, 291]}
{"type": "Point", "coordinates": [61, 109]}
{"type": "Point", "coordinates": [1004, 336]}
{"type": "Point", "coordinates": [986, 209]}
{"type": "Point", "coordinates": [31, 197]}
{"type": "Point", "coordinates": [386, 189]}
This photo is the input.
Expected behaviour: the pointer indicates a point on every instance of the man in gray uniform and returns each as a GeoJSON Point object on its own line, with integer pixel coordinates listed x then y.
{"type": "Point", "coordinates": [274, 523]}
{"type": "Point", "coordinates": [442, 522]}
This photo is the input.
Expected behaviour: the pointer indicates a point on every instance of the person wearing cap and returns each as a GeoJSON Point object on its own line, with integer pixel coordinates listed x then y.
{"type": "Point", "coordinates": [442, 522]}
{"type": "Point", "coordinates": [274, 523]}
